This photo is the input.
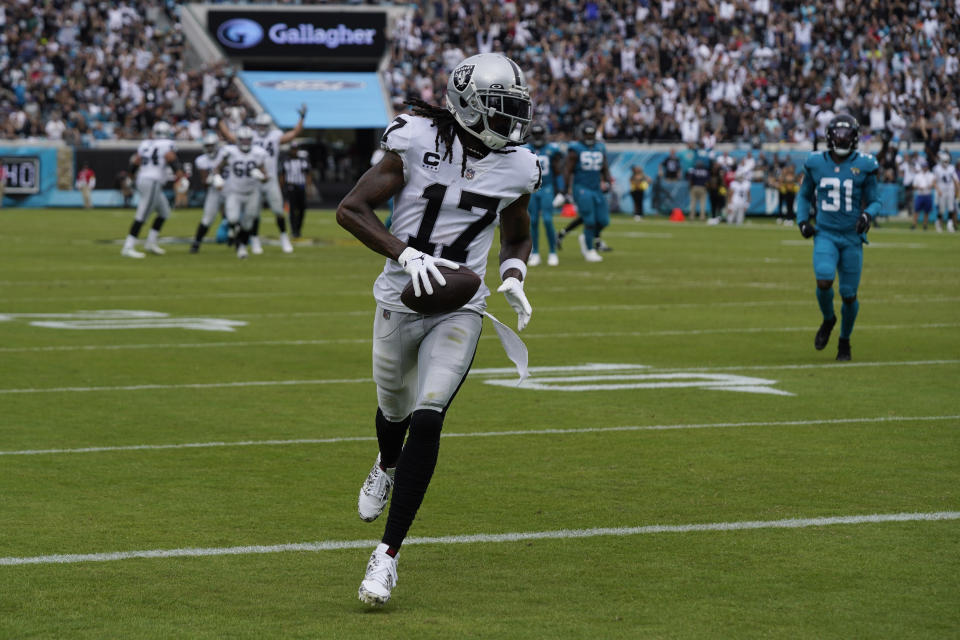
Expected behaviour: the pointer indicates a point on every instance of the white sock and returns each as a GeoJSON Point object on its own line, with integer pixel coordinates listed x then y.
{"type": "Point", "coordinates": [130, 242]}
{"type": "Point", "coordinates": [152, 236]}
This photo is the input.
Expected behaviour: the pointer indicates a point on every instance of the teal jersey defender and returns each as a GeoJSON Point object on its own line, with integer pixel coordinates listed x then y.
{"type": "Point", "coordinates": [840, 191]}
{"type": "Point", "coordinates": [589, 170]}
{"type": "Point", "coordinates": [545, 155]}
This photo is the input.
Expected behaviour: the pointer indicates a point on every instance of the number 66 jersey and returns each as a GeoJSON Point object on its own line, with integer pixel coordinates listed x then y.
{"type": "Point", "coordinates": [446, 209]}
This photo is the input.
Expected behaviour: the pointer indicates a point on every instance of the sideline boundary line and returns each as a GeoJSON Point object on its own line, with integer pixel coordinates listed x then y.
{"type": "Point", "coordinates": [481, 434]}
{"type": "Point", "coordinates": [560, 534]}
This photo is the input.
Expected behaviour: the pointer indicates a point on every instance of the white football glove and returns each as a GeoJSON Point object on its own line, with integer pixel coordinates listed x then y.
{"type": "Point", "coordinates": [183, 185]}
{"type": "Point", "coordinates": [559, 200]}
{"type": "Point", "coordinates": [217, 181]}
{"type": "Point", "coordinates": [513, 290]}
{"type": "Point", "coordinates": [259, 175]}
{"type": "Point", "coordinates": [420, 265]}
{"type": "Point", "coordinates": [209, 179]}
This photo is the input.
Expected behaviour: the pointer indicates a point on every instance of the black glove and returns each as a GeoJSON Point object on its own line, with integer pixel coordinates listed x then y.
{"type": "Point", "coordinates": [863, 222]}
{"type": "Point", "coordinates": [806, 229]}
{"type": "Point", "coordinates": [302, 111]}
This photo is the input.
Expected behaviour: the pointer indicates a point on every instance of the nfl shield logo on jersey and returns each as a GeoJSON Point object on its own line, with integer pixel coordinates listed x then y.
{"type": "Point", "coordinates": [469, 173]}
{"type": "Point", "coordinates": [462, 75]}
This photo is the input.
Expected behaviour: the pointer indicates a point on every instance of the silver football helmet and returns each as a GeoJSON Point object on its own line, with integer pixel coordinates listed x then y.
{"type": "Point", "coordinates": [161, 130]}
{"type": "Point", "coordinates": [488, 95]}
{"type": "Point", "coordinates": [210, 142]}
{"type": "Point", "coordinates": [944, 158]}
{"type": "Point", "coordinates": [245, 138]}
{"type": "Point", "coordinates": [263, 122]}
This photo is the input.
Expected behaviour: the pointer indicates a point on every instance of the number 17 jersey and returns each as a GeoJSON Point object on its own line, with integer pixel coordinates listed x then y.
{"type": "Point", "coordinates": [446, 210]}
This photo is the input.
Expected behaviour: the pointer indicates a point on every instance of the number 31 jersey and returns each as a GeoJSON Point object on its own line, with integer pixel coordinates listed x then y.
{"type": "Point", "coordinates": [445, 210]}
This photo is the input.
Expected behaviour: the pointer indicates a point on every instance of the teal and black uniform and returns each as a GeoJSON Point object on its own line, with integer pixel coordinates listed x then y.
{"type": "Point", "coordinates": [841, 191]}
{"type": "Point", "coordinates": [590, 199]}
{"type": "Point", "coordinates": [541, 202]}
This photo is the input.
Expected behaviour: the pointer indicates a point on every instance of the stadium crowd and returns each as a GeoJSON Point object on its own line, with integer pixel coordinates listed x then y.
{"type": "Point", "coordinates": [700, 71]}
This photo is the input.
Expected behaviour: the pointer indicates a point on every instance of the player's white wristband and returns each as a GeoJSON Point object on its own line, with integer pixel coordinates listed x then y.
{"type": "Point", "coordinates": [513, 263]}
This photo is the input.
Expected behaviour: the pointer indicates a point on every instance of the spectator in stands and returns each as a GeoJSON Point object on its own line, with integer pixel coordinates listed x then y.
{"type": "Point", "coordinates": [86, 182]}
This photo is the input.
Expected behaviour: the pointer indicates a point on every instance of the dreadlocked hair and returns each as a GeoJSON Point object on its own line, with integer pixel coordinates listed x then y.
{"type": "Point", "coordinates": [446, 126]}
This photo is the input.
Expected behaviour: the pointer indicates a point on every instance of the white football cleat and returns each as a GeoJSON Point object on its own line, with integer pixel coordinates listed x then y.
{"type": "Point", "coordinates": [583, 244]}
{"type": "Point", "coordinates": [242, 251]}
{"type": "Point", "coordinates": [533, 260]}
{"type": "Point", "coordinates": [939, 227]}
{"type": "Point", "coordinates": [950, 226]}
{"type": "Point", "coordinates": [285, 243]}
{"type": "Point", "coordinates": [380, 579]}
{"type": "Point", "coordinates": [255, 247]}
{"type": "Point", "coordinates": [592, 256]}
{"type": "Point", "coordinates": [130, 252]}
{"type": "Point", "coordinates": [552, 260]}
{"type": "Point", "coordinates": [154, 248]}
{"type": "Point", "coordinates": [375, 492]}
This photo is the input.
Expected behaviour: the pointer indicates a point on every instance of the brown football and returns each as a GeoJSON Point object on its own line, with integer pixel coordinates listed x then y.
{"type": "Point", "coordinates": [461, 285]}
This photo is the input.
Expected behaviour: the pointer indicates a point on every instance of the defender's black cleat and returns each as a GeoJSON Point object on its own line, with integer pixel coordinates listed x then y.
{"type": "Point", "coordinates": [843, 349]}
{"type": "Point", "coordinates": [823, 333]}
{"type": "Point", "coordinates": [194, 247]}
{"type": "Point", "coordinates": [560, 235]}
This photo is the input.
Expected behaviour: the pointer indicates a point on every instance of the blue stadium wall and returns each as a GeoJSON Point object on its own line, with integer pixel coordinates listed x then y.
{"type": "Point", "coordinates": [675, 193]}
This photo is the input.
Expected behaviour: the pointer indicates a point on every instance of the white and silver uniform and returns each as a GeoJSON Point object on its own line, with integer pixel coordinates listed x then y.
{"type": "Point", "coordinates": [214, 199]}
{"type": "Point", "coordinates": [449, 215]}
{"type": "Point", "coordinates": [270, 143]}
{"type": "Point", "coordinates": [443, 213]}
{"type": "Point", "coordinates": [151, 177]}
{"type": "Point", "coordinates": [946, 188]}
{"type": "Point", "coordinates": [242, 190]}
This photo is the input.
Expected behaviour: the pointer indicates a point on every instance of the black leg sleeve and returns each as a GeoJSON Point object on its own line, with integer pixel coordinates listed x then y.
{"type": "Point", "coordinates": [414, 471]}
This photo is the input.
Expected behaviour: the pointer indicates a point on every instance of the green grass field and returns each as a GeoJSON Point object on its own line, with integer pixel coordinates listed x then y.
{"type": "Point", "coordinates": [676, 384]}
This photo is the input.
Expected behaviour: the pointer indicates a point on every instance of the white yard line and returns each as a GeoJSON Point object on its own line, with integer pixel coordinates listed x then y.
{"type": "Point", "coordinates": [487, 538]}
{"type": "Point", "coordinates": [526, 336]}
{"type": "Point", "coordinates": [484, 434]}
{"type": "Point", "coordinates": [479, 372]}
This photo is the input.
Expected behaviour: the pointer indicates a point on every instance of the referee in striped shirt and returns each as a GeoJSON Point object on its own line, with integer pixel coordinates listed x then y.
{"type": "Point", "coordinates": [295, 174]}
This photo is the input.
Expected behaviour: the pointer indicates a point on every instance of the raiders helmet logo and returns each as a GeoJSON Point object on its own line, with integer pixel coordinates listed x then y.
{"type": "Point", "coordinates": [462, 75]}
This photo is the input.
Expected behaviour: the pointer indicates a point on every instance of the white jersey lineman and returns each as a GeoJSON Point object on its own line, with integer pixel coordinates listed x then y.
{"type": "Point", "coordinates": [443, 213]}
{"type": "Point", "coordinates": [947, 181]}
{"type": "Point", "coordinates": [213, 201]}
{"type": "Point", "coordinates": [241, 188]}
{"type": "Point", "coordinates": [270, 189]}
{"type": "Point", "coordinates": [270, 143]}
{"type": "Point", "coordinates": [153, 161]}
{"type": "Point", "coordinates": [151, 177]}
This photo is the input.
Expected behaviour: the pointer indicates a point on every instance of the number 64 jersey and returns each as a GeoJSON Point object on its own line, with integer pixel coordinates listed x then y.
{"type": "Point", "coordinates": [445, 210]}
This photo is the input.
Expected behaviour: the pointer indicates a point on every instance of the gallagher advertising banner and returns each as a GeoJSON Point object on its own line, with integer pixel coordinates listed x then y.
{"type": "Point", "coordinates": [321, 38]}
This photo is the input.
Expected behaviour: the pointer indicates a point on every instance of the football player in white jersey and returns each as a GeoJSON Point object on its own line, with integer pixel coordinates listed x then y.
{"type": "Point", "coordinates": [245, 170]}
{"type": "Point", "coordinates": [454, 173]}
{"type": "Point", "coordinates": [206, 164]}
{"type": "Point", "coordinates": [947, 184]}
{"type": "Point", "coordinates": [270, 138]}
{"type": "Point", "coordinates": [150, 163]}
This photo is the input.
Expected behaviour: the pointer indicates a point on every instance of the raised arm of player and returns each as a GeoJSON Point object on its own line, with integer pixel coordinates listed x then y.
{"type": "Point", "coordinates": [355, 212]}
{"type": "Point", "coordinates": [297, 129]}
{"type": "Point", "coordinates": [228, 135]}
